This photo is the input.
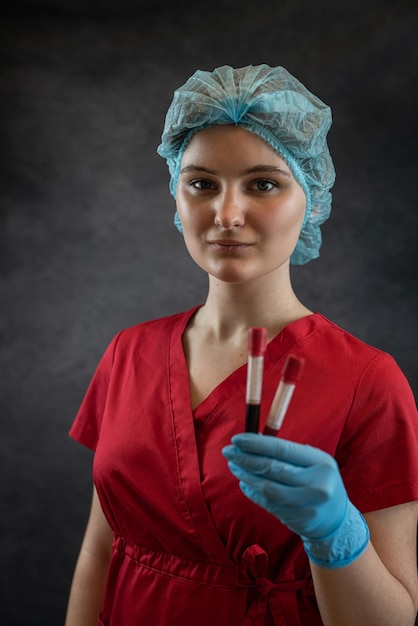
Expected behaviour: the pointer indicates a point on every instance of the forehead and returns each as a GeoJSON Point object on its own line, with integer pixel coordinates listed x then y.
{"type": "Point", "coordinates": [224, 142]}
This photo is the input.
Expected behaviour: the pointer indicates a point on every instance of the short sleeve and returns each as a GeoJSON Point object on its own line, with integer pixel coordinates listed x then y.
{"type": "Point", "coordinates": [378, 450]}
{"type": "Point", "coordinates": [87, 424]}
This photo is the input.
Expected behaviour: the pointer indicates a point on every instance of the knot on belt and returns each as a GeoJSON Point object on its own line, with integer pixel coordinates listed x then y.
{"type": "Point", "coordinates": [257, 562]}
{"type": "Point", "coordinates": [275, 594]}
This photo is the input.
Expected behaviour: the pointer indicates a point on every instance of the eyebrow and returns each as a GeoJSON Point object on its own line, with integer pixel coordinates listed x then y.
{"type": "Point", "coordinates": [267, 168]}
{"type": "Point", "coordinates": [252, 170]}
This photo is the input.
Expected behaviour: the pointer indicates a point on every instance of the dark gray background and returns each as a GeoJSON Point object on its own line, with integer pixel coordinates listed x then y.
{"type": "Point", "coordinates": [87, 242]}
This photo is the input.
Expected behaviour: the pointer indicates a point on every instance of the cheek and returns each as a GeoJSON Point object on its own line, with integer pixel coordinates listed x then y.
{"type": "Point", "coordinates": [191, 221]}
{"type": "Point", "coordinates": [300, 205]}
{"type": "Point", "coordinates": [185, 219]}
{"type": "Point", "coordinates": [193, 217]}
{"type": "Point", "coordinates": [182, 209]}
{"type": "Point", "coordinates": [288, 217]}
{"type": "Point", "coordinates": [299, 215]}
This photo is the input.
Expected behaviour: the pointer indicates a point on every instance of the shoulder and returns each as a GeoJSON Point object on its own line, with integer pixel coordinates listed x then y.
{"type": "Point", "coordinates": [334, 336]}
{"type": "Point", "coordinates": [150, 333]}
{"type": "Point", "coordinates": [378, 385]}
{"type": "Point", "coordinates": [346, 348]}
{"type": "Point", "coordinates": [345, 360]}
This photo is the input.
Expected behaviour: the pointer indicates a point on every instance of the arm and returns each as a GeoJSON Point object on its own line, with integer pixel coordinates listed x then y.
{"type": "Point", "coordinates": [357, 582]}
{"type": "Point", "coordinates": [380, 587]}
{"type": "Point", "coordinates": [87, 590]}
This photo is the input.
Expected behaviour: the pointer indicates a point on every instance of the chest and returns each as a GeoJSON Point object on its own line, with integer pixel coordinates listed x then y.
{"type": "Point", "coordinates": [209, 364]}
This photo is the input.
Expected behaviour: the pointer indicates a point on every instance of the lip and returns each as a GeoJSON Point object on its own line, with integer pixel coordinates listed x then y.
{"type": "Point", "coordinates": [229, 243]}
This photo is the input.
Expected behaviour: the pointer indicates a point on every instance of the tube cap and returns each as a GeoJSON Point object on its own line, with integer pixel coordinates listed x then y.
{"type": "Point", "coordinates": [257, 341]}
{"type": "Point", "coordinates": [292, 369]}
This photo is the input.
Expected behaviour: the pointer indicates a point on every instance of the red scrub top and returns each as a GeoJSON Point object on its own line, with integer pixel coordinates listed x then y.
{"type": "Point", "coordinates": [190, 549]}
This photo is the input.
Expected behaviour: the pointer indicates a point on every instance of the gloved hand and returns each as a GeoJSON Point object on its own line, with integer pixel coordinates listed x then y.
{"type": "Point", "coordinates": [303, 487]}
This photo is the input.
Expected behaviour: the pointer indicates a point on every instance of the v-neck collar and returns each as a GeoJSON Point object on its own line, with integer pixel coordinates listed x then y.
{"type": "Point", "coordinates": [235, 382]}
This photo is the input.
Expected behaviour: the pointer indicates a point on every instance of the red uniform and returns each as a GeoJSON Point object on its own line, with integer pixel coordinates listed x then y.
{"type": "Point", "coordinates": [190, 548]}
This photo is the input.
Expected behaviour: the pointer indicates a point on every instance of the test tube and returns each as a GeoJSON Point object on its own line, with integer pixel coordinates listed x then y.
{"type": "Point", "coordinates": [257, 342]}
{"type": "Point", "coordinates": [290, 375]}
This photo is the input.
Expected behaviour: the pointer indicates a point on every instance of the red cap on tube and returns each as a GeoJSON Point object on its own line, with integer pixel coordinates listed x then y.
{"type": "Point", "coordinates": [292, 369]}
{"type": "Point", "coordinates": [257, 341]}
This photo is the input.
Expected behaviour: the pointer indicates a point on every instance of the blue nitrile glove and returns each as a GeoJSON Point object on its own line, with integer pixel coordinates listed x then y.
{"type": "Point", "coordinates": [303, 487]}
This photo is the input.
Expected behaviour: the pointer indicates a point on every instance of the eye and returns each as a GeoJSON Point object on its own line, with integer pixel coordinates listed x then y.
{"type": "Point", "coordinates": [263, 184]}
{"type": "Point", "coordinates": [201, 183]}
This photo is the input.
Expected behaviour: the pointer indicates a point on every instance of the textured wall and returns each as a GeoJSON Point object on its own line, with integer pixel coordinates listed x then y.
{"type": "Point", "coordinates": [87, 242]}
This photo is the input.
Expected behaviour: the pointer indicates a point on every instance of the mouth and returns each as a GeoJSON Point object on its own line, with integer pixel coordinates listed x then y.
{"type": "Point", "coordinates": [229, 245]}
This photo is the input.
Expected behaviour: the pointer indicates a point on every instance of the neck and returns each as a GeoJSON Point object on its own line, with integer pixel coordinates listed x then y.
{"type": "Point", "coordinates": [230, 309]}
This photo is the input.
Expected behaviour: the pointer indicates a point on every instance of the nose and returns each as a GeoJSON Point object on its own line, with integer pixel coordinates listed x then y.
{"type": "Point", "coordinates": [229, 210]}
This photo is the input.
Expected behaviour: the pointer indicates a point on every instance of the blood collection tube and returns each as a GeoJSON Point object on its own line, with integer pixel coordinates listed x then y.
{"type": "Point", "coordinates": [257, 342]}
{"type": "Point", "coordinates": [290, 374]}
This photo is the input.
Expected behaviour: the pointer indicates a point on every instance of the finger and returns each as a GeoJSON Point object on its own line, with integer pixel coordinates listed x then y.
{"type": "Point", "coordinates": [255, 496]}
{"type": "Point", "coordinates": [275, 470]}
{"type": "Point", "coordinates": [229, 451]}
{"type": "Point", "coordinates": [289, 515]}
{"type": "Point", "coordinates": [281, 449]}
{"type": "Point", "coordinates": [273, 492]}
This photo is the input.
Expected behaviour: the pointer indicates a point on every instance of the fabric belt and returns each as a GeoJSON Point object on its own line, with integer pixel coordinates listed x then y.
{"type": "Point", "coordinates": [253, 574]}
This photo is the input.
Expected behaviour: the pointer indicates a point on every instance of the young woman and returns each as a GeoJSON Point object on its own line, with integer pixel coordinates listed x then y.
{"type": "Point", "coordinates": [320, 527]}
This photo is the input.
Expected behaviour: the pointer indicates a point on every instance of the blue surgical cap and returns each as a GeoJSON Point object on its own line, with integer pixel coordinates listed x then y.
{"type": "Point", "coordinates": [273, 104]}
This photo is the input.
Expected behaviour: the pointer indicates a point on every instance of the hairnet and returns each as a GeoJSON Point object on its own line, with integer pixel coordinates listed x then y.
{"type": "Point", "coordinates": [272, 103]}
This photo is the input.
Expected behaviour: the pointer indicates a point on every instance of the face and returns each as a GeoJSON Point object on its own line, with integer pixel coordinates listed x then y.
{"type": "Point", "coordinates": [240, 206]}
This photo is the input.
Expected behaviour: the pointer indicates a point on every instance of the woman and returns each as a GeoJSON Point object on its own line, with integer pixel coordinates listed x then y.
{"type": "Point", "coordinates": [320, 528]}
